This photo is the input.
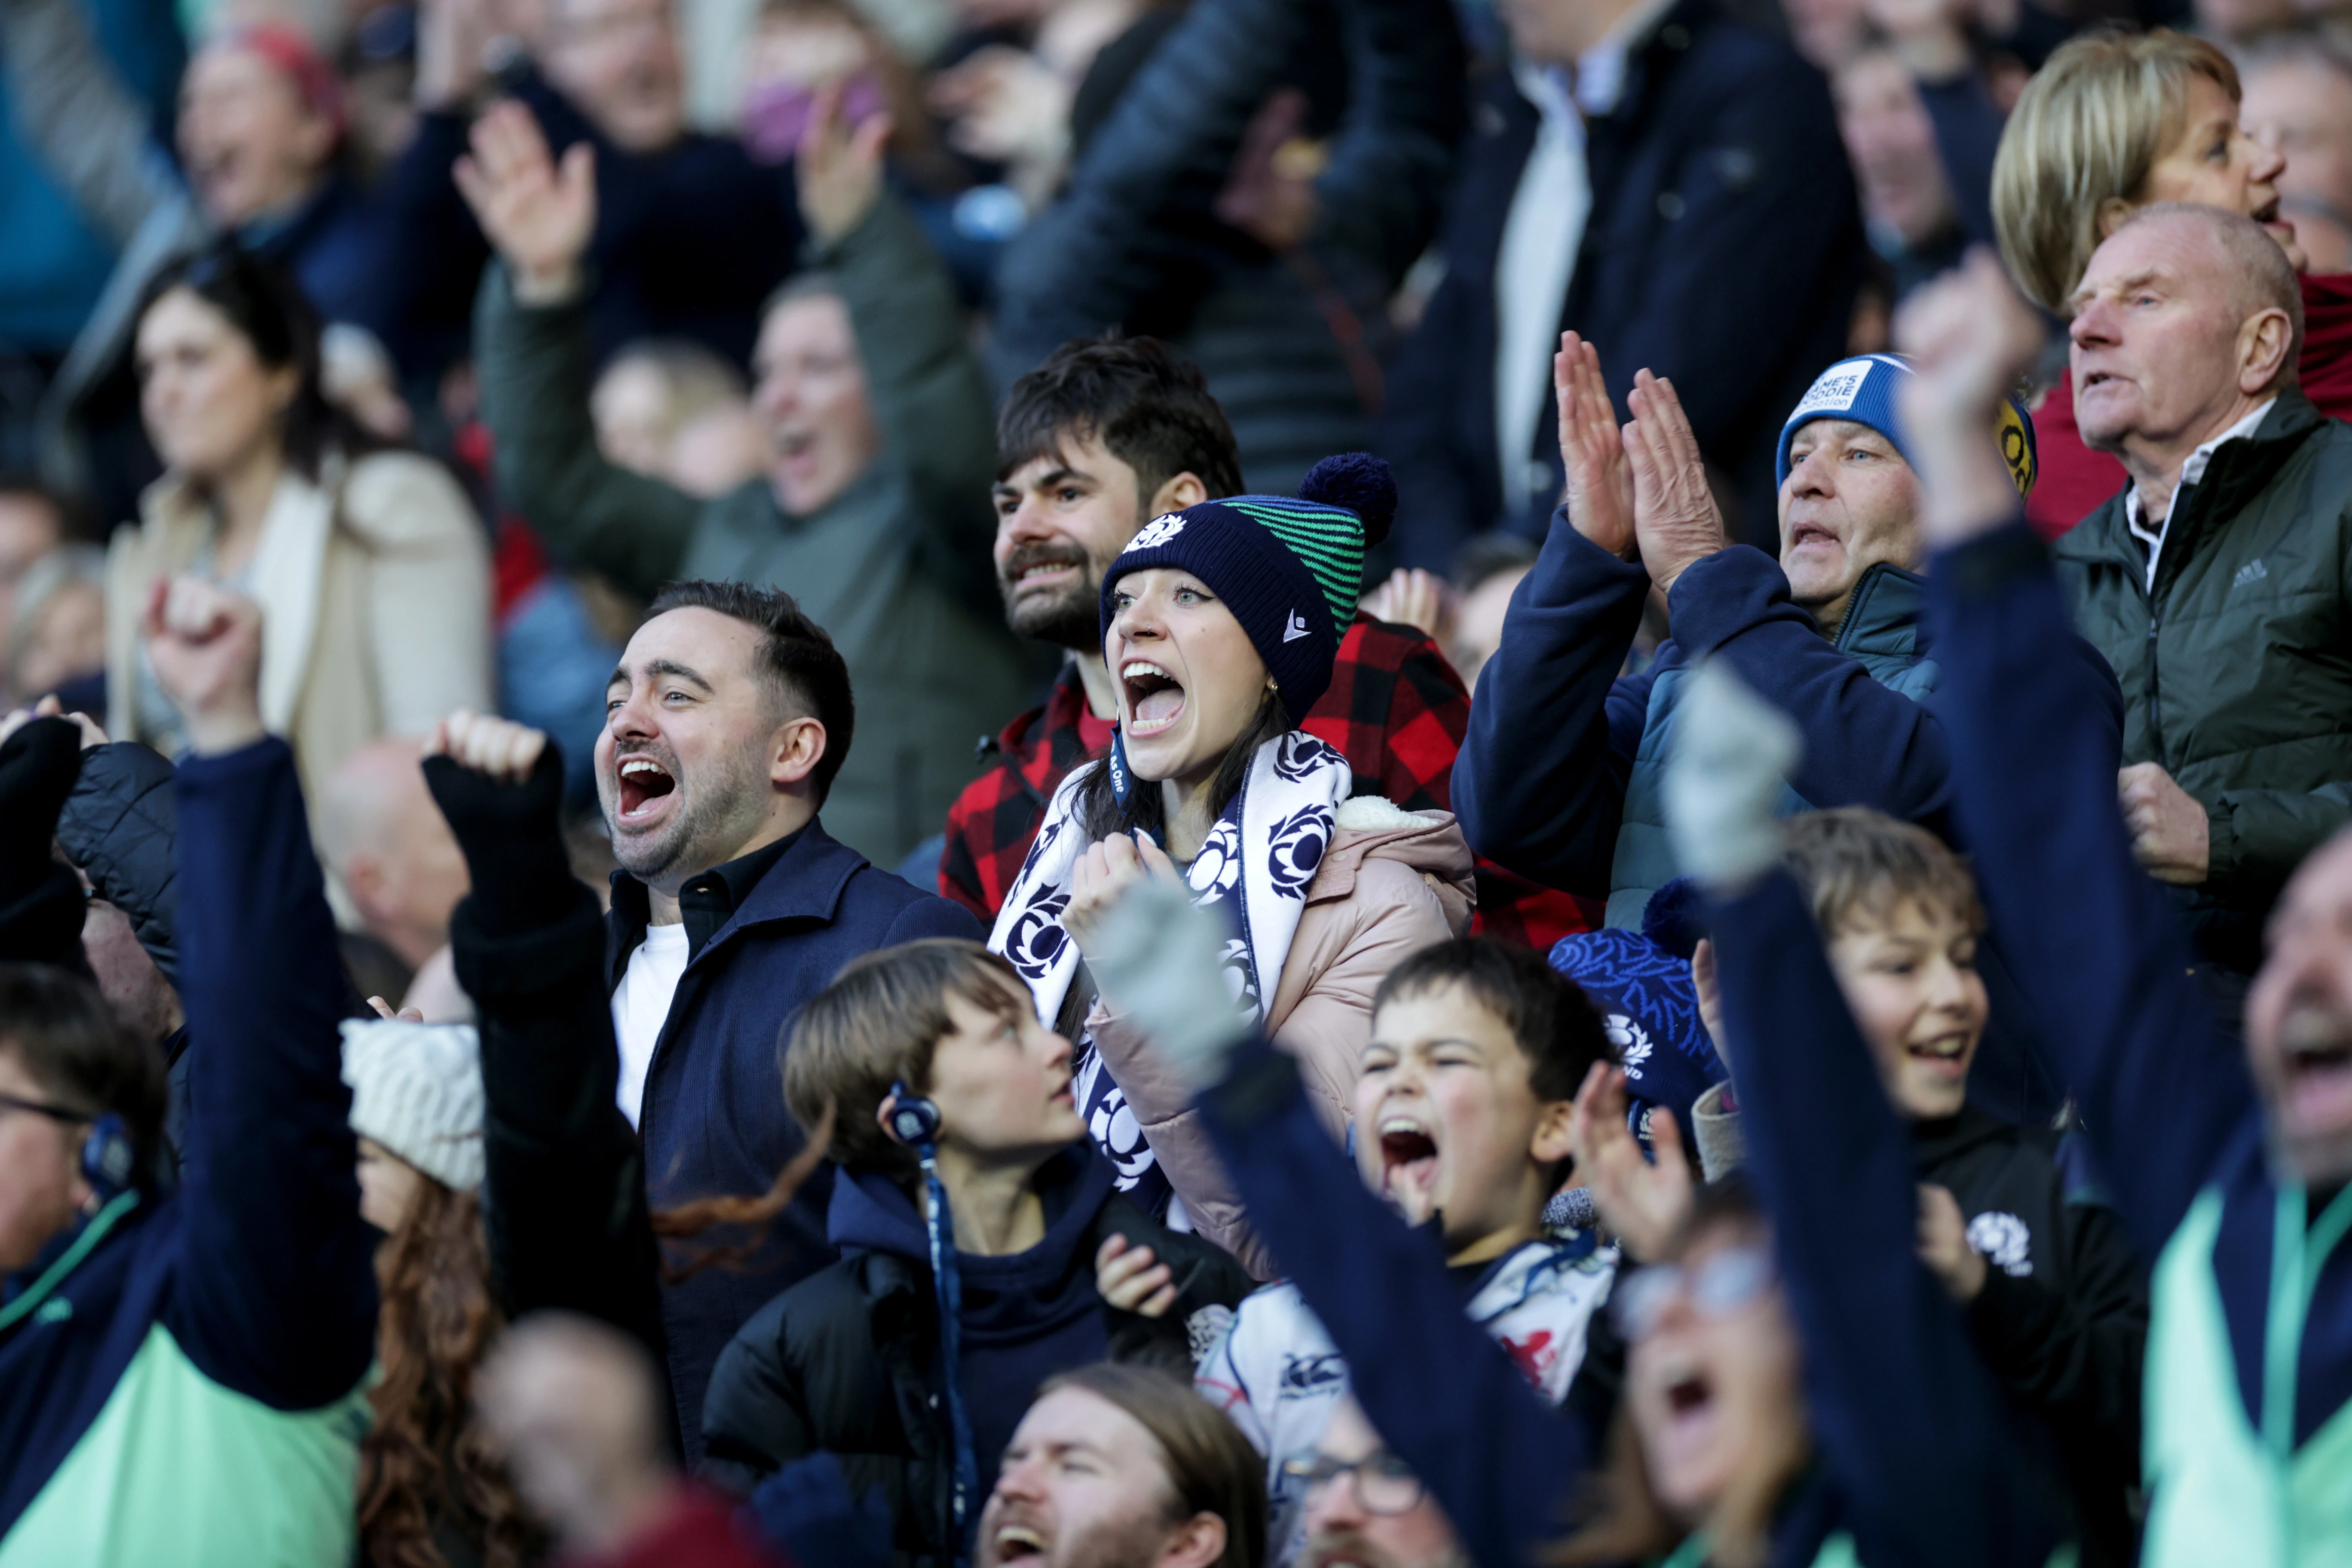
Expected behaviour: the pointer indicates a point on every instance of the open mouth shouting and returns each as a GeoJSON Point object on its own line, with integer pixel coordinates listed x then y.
{"type": "Point", "coordinates": [2269, 217]}
{"type": "Point", "coordinates": [1688, 1395]}
{"type": "Point", "coordinates": [1153, 698]}
{"type": "Point", "coordinates": [1408, 1160]}
{"type": "Point", "coordinates": [644, 785]}
{"type": "Point", "coordinates": [2314, 1072]}
{"type": "Point", "coordinates": [1016, 1544]}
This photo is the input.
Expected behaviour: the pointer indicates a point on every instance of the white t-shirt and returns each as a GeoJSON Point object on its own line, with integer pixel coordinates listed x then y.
{"type": "Point", "coordinates": [641, 1006]}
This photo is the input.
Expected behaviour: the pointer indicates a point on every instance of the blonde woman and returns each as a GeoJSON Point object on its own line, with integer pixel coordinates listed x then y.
{"type": "Point", "coordinates": [2113, 123]}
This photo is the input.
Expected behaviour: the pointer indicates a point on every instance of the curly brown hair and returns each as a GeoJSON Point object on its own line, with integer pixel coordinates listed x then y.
{"type": "Point", "coordinates": [423, 1464]}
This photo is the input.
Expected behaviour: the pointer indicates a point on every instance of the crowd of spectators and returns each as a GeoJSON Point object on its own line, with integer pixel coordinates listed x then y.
{"type": "Point", "coordinates": [1176, 783]}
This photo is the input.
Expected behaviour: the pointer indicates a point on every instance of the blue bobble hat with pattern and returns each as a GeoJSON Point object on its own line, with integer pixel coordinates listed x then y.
{"type": "Point", "coordinates": [1290, 568]}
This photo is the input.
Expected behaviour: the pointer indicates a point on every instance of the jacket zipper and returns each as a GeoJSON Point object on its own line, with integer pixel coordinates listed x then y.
{"type": "Point", "coordinates": [2155, 718]}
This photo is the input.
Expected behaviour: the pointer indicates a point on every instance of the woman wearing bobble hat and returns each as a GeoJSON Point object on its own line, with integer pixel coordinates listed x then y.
{"type": "Point", "coordinates": [429, 1491]}
{"type": "Point", "coordinates": [1220, 624]}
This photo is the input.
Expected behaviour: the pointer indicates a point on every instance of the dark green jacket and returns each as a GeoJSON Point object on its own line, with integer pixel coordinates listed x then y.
{"type": "Point", "coordinates": [2237, 671]}
{"type": "Point", "coordinates": [897, 568]}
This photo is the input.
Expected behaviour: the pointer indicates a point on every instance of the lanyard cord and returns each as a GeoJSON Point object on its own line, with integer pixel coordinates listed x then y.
{"type": "Point", "coordinates": [2296, 1258]}
{"type": "Point", "coordinates": [948, 1287]}
{"type": "Point", "coordinates": [91, 1235]}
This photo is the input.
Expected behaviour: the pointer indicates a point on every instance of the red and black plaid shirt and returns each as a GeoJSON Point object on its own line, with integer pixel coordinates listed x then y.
{"type": "Point", "coordinates": [1396, 709]}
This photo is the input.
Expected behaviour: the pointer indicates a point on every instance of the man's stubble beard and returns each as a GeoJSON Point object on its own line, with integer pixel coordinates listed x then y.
{"type": "Point", "coordinates": [719, 814]}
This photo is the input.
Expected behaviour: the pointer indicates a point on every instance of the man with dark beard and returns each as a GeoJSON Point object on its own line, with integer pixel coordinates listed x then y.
{"type": "Point", "coordinates": [1123, 1466]}
{"type": "Point", "coordinates": [726, 722]}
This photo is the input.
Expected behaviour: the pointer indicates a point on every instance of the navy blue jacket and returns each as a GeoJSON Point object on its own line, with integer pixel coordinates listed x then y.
{"type": "Point", "coordinates": [1918, 1467]}
{"type": "Point", "coordinates": [257, 1267]}
{"type": "Point", "coordinates": [1723, 251]}
{"type": "Point", "coordinates": [689, 241]}
{"type": "Point", "coordinates": [713, 1121]}
{"type": "Point", "coordinates": [2168, 1105]}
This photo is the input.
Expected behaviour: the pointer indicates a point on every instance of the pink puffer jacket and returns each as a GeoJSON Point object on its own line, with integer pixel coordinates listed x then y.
{"type": "Point", "coordinates": [1393, 882]}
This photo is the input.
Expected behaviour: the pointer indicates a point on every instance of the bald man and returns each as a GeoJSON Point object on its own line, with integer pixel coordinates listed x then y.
{"type": "Point", "coordinates": [2214, 584]}
{"type": "Point", "coordinates": [387, 847]}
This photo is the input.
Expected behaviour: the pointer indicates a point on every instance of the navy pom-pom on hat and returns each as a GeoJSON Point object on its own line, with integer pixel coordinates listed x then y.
{"type": "Point", "coordinates": [1290, 568]}
{"type": "Point", "coordinates": [1359, 482]}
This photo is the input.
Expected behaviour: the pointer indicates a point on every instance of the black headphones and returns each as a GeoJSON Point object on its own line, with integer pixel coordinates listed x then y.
{"type": "Point", "coordinates": [913, 1121]}
{"type": "Point", "coordinates": [107, 1159]}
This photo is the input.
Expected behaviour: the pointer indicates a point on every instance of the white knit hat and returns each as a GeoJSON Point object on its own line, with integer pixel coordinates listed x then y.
{"type": "Point", "coordinates": [417, 1088]}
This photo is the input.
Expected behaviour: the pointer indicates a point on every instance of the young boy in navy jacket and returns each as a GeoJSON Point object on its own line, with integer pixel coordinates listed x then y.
{"type": "Point", "coordinates": [1461, 1121]}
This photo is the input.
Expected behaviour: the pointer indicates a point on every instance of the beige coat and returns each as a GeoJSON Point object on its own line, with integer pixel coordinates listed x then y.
{"type": "Point", "coordinates": [1393, 882]}
{"type": "Point", "coordinates": [375, 588]}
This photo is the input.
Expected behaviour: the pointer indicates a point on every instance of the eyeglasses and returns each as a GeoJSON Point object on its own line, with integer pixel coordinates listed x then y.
{"type": "Point", "coordinates": [1722, 1285]}
{"type": "Point", "coordinates": [42, 1107]}
{"type": "Point", "coordinates": [1384, 1483]}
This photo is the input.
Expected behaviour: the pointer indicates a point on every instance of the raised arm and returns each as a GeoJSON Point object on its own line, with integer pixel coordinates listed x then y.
{"type": "Point", "coordinates": [91, 133]}
{"type": "Point", "coordinates": [41, 902]}
{"type": "Point", "coordinates": [929, 393]}
{"type": "Point", "coordinates": [2095, 945]}
{"type": "Point", "coordinates": [566, 1192]}
{"type": "Point", "coordinates": [531, 327]}
{"type": "Point", "coordinates": [1909, 1421]}
{"type": "Point", "coordinates": [1384, 189]}
{"type": "Point", "coordinates": [277, 1298]}
{"type": "Point", "coordinates": [1153, 171]}
{"type": "Point", "coordinates": [1907, 1413]}
{"type": "Point", "coordinates": [1540, 785]}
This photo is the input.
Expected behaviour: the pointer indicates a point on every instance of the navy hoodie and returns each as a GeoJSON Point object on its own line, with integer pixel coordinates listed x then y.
{"type": "Point", "coordinates": [1026, 1315]}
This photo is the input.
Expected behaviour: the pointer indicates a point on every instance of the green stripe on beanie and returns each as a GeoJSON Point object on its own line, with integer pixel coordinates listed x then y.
{"type": "Point", "coordinates": [1329, 540]}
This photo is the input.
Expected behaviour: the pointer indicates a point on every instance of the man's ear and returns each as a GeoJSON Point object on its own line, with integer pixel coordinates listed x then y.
{"type": "Point", "coordinates": [2112, 213]}
{"type": "Point", "coordinates": [2262, 341]}
{"type": "Point", "coordinates": [1553, 1142]}
{"type": "Point", "coordinates": [1186, 489]}
{"type": "Point", "coordinates": [1198, 1543]}
{"type": "Point", "coordinates": [793, 755]}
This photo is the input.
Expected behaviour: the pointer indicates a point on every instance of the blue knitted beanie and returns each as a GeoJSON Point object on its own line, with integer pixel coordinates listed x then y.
{"type": "Point", "coordinates": [1863, 389]}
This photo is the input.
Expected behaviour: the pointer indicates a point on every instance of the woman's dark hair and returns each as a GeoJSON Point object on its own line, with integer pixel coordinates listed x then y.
{"type": "Point", "coordinates": [424, 1459]}
{"type": "Point", "coordinates": [269, 311]}
{"type": "Point", "coordinates": [1211, 1468]}
{"type": "Point", "coordinates": [1097, 806]}
{"type": "Point", "coordinates": [70, 1043]}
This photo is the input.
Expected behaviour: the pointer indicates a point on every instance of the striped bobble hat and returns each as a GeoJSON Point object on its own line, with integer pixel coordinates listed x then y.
{"type": "Point", "coordinates": [1290, 568]}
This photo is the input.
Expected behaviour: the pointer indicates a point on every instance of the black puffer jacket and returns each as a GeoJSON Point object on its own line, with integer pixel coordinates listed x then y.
{"type": "Point", "coordinates": [118, 826]}
{"type": "Point", "coordinates": [846, 1360]}
{"type": "Point", "coordinates": [2062, 1317]}
{"type": "Point", "coordinates": [1136, 240]}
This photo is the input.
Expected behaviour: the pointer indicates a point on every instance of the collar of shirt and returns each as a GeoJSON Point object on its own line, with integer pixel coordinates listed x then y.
{"type": "Point", "coordinates": [2191, 470]}
{"type": "Point", "coordinates": [1600, 69]}
{"type": "Point", "coordinates": [707, 901]}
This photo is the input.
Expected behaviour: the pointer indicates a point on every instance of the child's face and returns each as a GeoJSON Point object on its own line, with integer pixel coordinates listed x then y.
{"type": "Point", "coordinates": [1913, 985]}
{"type": "Point", "coordinates": [1002, 1081]}
{"type": "Point", "coordinates": [1447, 1121]}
